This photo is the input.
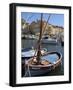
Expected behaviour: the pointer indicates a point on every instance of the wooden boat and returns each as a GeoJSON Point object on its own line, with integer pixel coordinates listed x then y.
{"type": "Point", "coordinates": [38, 65]}
{"type": "Point", "coordinates": [33, 69]}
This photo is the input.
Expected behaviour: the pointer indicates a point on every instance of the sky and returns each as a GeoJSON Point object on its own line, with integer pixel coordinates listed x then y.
{"type": "Point", "coordinates": [55, 19]}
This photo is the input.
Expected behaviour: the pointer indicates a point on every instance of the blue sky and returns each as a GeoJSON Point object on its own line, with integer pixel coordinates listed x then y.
{"type": "Point", "coordinates": [55, 19]}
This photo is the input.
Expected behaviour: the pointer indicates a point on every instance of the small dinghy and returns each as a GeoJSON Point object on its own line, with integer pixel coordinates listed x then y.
{"type": "Point", "coordinates": [29, 52]}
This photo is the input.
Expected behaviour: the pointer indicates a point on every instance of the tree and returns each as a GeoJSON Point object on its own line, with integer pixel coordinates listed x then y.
{"type": "Point", "coordinates": [23, 21]}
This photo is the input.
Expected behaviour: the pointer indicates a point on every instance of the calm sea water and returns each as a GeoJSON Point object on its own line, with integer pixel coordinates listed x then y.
{"type": "Point", "coordinates": [49, 47]}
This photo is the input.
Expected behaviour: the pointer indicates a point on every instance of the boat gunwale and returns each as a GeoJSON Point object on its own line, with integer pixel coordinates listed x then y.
{"type": "Point", "coordinates": [49, 65]}
{"type": "Point", "coordinates": [45, 50]}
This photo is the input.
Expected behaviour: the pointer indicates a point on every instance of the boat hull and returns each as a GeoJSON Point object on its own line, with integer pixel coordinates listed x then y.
{"type": "Point", "coordinates": [46, 41]}
{"type": "Point", "coordinates": [36, 70]}
{"type": "Point", "coordinates": [29, 53]}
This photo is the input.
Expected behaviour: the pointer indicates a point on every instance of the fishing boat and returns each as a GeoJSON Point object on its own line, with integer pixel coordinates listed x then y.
{"type": "Point", "coordinates": [46, 64]}
{"type": "Point", "coordinates": [41, 64]}
{"type": "Point", "coordinates": [47, 40]}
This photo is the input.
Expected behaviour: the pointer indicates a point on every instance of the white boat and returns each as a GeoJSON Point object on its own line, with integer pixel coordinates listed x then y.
{"type": "Point", "coordinates": [47, 40]}
{"type": "Point", "coordinates": [30, 37]}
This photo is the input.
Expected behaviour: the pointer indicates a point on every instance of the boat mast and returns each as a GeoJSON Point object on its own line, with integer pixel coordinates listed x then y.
{"type": "Point", "coordinates": [39, 42]}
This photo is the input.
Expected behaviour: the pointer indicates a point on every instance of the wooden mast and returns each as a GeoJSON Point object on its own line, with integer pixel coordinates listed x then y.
{"type": "Point", "coordinates": [39, 43]}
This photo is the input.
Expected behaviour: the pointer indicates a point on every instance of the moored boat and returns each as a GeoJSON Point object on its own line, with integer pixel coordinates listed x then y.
{"type": "Point", "coordinates": [33, 69]}
{"type": "Point", "coordinates": [29, 52]}
{"type": "Point", "coordinates": [47, 40]}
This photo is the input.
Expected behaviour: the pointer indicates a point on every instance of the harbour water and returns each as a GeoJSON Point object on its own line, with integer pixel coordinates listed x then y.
{"type": "Point", "coordinates": [26, 43]}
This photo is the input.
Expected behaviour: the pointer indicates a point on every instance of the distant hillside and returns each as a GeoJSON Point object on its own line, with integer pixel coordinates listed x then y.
{"type": "Point", "coordinates": [34, 28]}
